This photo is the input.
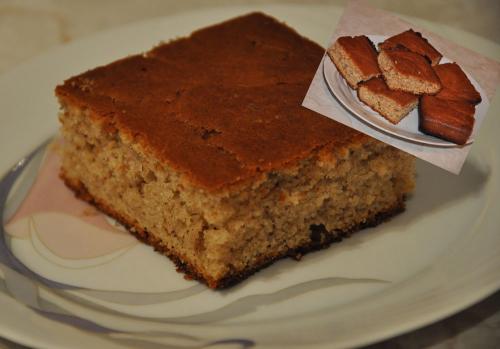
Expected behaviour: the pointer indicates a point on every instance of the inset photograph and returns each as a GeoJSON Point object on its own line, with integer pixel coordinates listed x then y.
{"type": "Point", "coordinates": [405, 88]}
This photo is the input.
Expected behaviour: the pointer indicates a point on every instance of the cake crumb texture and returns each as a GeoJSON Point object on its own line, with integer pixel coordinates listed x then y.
{"type": "Point", "coordinates": [355, 58]}
{"type": "Point", "coordinates": [391, 104]}
{"type": "Point", "coordinates": [408, 71]}
{"type": "Point", "coordinates": [221, 236]}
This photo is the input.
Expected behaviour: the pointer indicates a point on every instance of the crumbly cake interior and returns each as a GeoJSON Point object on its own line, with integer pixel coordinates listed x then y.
{"type": "Point", "coordinates": [344, 63]}
{"type": "Point", "coordinates": [414, 83]}
{"type": "Point", "coordinates": [388, 107]}
{"type": "Point", "coordinates": [223, 236]}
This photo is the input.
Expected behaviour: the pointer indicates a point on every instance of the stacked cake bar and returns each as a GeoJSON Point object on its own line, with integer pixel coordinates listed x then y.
{"type": "Point", "coordinates": [202, 149]}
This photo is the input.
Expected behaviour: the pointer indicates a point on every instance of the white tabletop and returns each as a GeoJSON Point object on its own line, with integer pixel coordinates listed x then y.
{"type": "Point", "coordinates": [28, 28]}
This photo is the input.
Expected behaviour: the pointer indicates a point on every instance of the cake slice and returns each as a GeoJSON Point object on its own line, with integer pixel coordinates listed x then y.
{"type": "Point", "coordinates": [449, 120]}
{"type": "Point", "coordinates": [391, 104]}
{"type": "Point", "coordinates": [415, 42]}
{"type": "Point", "coordinates": [214, 161]}
{"type": "Point", "coordinates": [355, 58]}
{"type": "Point", "coordinates": [456, 85]}
{"type": "Point", "coordinates": [408, 71]}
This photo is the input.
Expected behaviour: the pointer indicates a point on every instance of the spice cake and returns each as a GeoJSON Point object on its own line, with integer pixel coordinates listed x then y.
{"type": "Point", "coordinates": [355, 58]}
{"type": "Point", "coordinates": [391, 104]}
{"type": "Point", "coordinates": [415, 42]}
{"type": "Point", "coordinates": [456, 85]}
{"type": "Point", "coordinates": [408, 71]}
{"type": "Point", "coordinates": [446, 119]}
{"type": "Point", "coordinates": [202, 149]}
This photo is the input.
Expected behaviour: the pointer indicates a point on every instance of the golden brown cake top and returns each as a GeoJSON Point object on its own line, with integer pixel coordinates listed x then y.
{"type": "Point", "coordinates": [221, 106]}
{"type": "Point", "coordinates": [412, 64]}
{"type": "Point", "coordinates": [456, 85]}
{"type": "Point", "coordinates": [362, 52]}
{"type": "Point", "coordinates": [450, 120]}
{"type": "Point", "coordinates": [378, 86]}
{"type": "Point", "coordinates": [431, 106]}
{"type": "Point", "coordinates": [415, 42]}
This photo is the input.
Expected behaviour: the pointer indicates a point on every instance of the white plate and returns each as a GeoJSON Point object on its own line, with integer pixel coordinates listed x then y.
{"type": "Point", "coordinates": [407, 128]}
{"type": "Point", "coordinates": [437, 258]}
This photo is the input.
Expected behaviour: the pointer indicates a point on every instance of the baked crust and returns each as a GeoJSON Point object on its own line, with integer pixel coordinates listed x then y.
{"type": "Point", "coordinates": [456, 85]}
{"type": "Point", "coordinates": [255, 76]}
{"type": "Point", "coordinates": [320, 239]}
{"type": "Point", "coordinates": [408, 66]}
{"type": "Point", "coordinates": [362, 53]}
{"type": "Point", "coordinates": [449, 120]}
{"type": "Point", "coordinates": [415, 42]}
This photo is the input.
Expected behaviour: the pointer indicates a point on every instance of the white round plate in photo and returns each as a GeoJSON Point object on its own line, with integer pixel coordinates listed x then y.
{"type": "Point", "coordinates": [438, 257]}
{"type": "Point", "coordinates": [407, 128]}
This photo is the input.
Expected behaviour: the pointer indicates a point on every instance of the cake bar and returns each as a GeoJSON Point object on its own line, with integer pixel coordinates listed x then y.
{"type": "Point", "coordinates": [408, 71]}
{"type": "Point", "coordinates": [449, 120]}
{"type": "Point", "coordinates": [355, 59]}
{"type": "Point", "coordinates": [202, 149]}
{"type": "Point", "coordinates": [391, 104]}
{"type": "Point", "coordinates": [415, 42]}
{"type": "Point", "coordinates": [456, 85]}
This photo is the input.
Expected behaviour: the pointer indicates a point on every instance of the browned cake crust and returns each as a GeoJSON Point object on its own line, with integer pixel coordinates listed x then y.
{"type": "Point", "coordinates": [408, 71]}
{"type": "Point", "coordinates": [449, 120]}
{"type": "Point", "coordinates": [415, 42]}
{"type": "Point", "coordinates": [249, 84]}
{"type": "Point", "coordinates": [362, 53]}
{"type": "Point", "coordinates": [391, 104]}
{"type": "Point", "coordinates": [355, 59]}
{"type": "Point", "coordinates": [456, 85]}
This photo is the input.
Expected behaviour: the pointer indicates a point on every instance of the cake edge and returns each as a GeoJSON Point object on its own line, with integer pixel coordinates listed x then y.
{"type": "Point", "coordinates": [387, 66]}
{"type": "Point", "coordinates": [321, 238]}
{"type": "Point", "coordinates": [405, 108]}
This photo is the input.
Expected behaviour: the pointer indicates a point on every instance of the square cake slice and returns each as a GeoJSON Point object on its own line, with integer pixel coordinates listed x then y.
{"type": "Point", "coordinates": [355, 59]}
{"type": "Point", "coordinates": [202, 149]}
{"type": "Point", "coordinates": [415, 42]}
{"type": "Point", "coordinates": [449, 120]}
{"type": "Point", "coordinates": [408, 71]}
{"type": "Point", "coordinates": [391, 104]}
{"type": "Point", "coordinates": [456, 84]}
